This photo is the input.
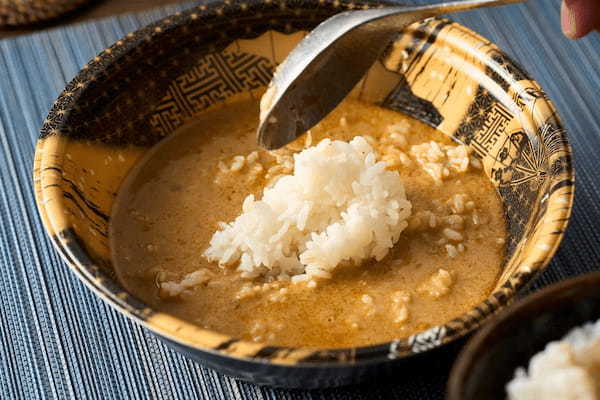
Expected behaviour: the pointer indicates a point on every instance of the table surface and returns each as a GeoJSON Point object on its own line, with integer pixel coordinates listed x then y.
{"type": "Point", "coordinates": [58, 340]}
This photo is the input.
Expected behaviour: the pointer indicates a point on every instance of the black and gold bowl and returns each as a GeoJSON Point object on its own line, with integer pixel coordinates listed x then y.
{"type": "Point", "coordinates": [146, 85]}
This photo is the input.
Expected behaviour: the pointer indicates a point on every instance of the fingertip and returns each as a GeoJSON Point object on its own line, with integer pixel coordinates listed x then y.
{"type": "Point", "coordinates": [579, 17]}
{"type": "Point", "coordinates": [567, 21]}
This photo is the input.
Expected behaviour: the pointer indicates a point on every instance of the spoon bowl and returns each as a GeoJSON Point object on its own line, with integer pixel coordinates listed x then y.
{"type": "Point", "coordinates": [331, 60]}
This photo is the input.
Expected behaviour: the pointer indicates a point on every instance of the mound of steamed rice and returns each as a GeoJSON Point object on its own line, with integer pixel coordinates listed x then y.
{"type": "Point", "coordinates": [566, 369]}
{"type": "Point", "coordinates": [339, 205]}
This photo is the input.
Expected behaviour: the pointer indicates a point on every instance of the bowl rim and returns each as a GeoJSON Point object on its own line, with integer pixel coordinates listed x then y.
{"type": "Point", "coordinates": [467, 358]}
{"type": "Point", "coordinates": [219, 344]}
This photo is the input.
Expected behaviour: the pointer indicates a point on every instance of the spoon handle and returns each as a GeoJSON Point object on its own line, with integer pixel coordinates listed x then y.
{"type": "Point", "coordinates": [456, 6]}
{"type": "Point", "coordinates": [385, 17]}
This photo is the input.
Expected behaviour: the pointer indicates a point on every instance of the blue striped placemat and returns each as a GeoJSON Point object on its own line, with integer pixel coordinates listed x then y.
{"type": "Point", "coordinates": [58, 340]}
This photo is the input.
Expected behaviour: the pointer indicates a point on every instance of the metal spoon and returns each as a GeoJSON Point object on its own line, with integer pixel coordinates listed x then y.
{"type": "Point", "coordinates": [331, 60]}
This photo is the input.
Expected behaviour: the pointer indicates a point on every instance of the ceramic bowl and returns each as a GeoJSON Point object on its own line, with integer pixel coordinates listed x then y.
{"type": "Point", "coordinates": [490, 359]}
{"type": "Point", "coordinates": [152, 81]}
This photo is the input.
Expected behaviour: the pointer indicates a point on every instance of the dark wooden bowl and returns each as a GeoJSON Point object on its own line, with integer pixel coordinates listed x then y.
{"type": "Point", "coordinates": [489, 360]}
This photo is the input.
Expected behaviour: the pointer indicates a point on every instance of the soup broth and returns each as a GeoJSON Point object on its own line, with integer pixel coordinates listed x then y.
{"type": "Point", "coordinates": [447, 260]}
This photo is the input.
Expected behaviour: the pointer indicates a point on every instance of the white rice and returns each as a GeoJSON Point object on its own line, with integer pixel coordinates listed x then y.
{"type": "Point", "coordinates": [566, 369]}
{"type": "Point", "coordinates": [438, 284]}
{"type": "Point", "coordinates": [191, 280]}
{"type": "Point", "coordinates": [441, 161]}
{"type": "Point", "coordinates": [339, 205]}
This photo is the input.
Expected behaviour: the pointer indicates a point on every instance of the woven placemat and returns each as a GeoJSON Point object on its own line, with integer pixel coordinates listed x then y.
{"type": "Point", "coordinates": [59, 341]}
{"type": "Point", "coordinates": [15, 13]}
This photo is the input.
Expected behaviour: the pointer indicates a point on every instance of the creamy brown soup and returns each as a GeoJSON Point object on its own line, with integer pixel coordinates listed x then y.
{"type": "Point", "coordinates": [447, 261]}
